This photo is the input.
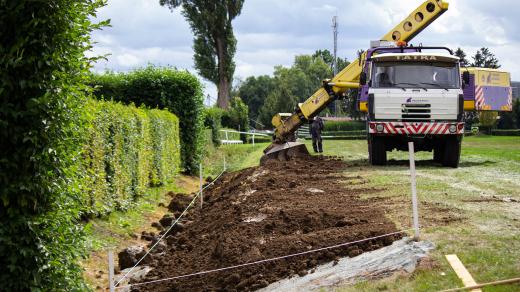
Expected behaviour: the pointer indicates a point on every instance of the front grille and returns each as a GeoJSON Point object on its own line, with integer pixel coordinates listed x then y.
{"type": "Point", "coordinates": [416, 111]}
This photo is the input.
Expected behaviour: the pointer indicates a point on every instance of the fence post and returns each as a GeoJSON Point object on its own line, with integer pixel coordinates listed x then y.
{"type": "Point", "coordinates": [200, 185]}
{"type": "Point", "coordinates": [226, 135]}
{"type": "Point", "coordinates": [253, 138]}
{"type": "Point", "coordinates": [111, 270]}
{"type": "Point", "coordinates": [224, 162]}
{"type": "Point", "coordinates": [411, 152]}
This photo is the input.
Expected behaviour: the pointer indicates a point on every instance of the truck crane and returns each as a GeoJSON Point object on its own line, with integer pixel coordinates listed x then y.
{"type": "Point", "coordinates": [409, 94]}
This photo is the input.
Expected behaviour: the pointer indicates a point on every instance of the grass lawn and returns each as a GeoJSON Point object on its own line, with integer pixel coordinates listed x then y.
{"type": "Point", "coordinates": [460, 210]}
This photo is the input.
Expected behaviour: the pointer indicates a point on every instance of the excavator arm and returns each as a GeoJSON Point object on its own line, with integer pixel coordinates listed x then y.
{"type": "Point", "coordinates": [348, 78]}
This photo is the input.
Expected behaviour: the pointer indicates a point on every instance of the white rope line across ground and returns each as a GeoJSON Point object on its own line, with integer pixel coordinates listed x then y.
{"type": "Point", "coordinates": [263, 261]}
{"type": "Point", "coordinates": [168, 230]}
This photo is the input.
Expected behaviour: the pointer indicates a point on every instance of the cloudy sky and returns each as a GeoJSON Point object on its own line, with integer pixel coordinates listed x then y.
{"type": "Point", "coordinates": [272, 32]}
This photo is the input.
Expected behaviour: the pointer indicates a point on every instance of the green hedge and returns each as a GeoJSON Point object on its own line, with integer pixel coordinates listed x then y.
{"type": "Point", "coordinates": [128, 150]}
{"type": "Point", "coordinates": [344, 133]}
{"type": "Point", "coordinates": [44, 71]}
{"type": "Point", "coordinates": [344, 125]}
{"type": "Point", "coordinates": [166, 88]}
{"type": "Point", "coordinates": [511, 132]}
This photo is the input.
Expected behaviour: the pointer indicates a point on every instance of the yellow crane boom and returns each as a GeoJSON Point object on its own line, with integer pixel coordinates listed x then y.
{"type": "Point", "coordinates": [348, 78]}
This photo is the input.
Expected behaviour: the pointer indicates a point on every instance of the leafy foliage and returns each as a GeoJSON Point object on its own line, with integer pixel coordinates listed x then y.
{"type": "Point", "coordinates": [484, 58]}
{"type": "Point", "coordinates": [462, 56]}
{"type": "Point", "coordinates": [510, 120]}
{"type": "Point", "coordinates": [328, 58]}
{"type": "Point", "coordinates": [44, 69]}
{"type": "Point", "coordinates": [253, 92]}
{"type": "Point", "coordinates": [235, 118]}
{"type": "Point", "coordinates": [335, 126]}
{"type": "Point", "coordinates": [237, 115]}
{"type": "Point", "coordinates": [293, 85]}
{"type": "Point", "coordinates": [214, 43]}
{"type": "Point", "coordinates": [128, 149]}
{"type": "Point", "coordinates": [213, 121]}
{"type": "Point", "coordinates": [488, 121]}
{"type": "Point", "coordinates": [266, 96]}
{"type": "Point", "coordinates": [178, 91]}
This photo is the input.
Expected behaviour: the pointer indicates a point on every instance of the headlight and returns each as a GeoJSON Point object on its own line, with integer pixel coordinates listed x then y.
{"type": "Point", "coordinates": [380, 127]}
{"type": "Point", "coordinates": [453, 129]}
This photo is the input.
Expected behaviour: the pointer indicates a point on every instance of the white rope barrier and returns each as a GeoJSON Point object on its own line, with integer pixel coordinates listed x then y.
{"type": "Point", "coordinates": [263, 261]}
{"type": "Point", "coordinates": [168, 230]}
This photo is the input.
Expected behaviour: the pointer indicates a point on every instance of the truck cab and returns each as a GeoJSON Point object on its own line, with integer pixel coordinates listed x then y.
{"type": "Point", "coordinates": [413, 94]}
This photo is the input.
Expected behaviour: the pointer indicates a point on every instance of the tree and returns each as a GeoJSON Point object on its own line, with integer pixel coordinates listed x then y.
{"type": "Point", "coordinates": [488, 121]}
{"type": "Point", "coordinates": [507, 120]}
{"type": "Point", "coordinates": [485, 59]}
{"type": "Point", "coordinates": [327, 57]}
{"type": "Point", "coordinates": [462, 55]}
{"type": "Point", "coordinates": [254, 91]}
{"type": "Point", "coordinates": [237, 116]}
{"type": "Point", "coordinates": [293, 85]}
{"type": "Point", "coordinates": [214, 42]}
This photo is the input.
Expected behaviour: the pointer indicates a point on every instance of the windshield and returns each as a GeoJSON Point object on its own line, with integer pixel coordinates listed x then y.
{"type": "Point", "coordinates": [415, 75]}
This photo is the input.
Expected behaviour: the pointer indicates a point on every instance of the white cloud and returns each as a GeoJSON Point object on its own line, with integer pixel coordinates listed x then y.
{"type": "Point", "coordinates": [128, 60]}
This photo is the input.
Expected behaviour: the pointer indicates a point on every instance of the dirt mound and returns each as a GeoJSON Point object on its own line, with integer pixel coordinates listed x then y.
{"type": "Point", "coordinates": [263, 212]}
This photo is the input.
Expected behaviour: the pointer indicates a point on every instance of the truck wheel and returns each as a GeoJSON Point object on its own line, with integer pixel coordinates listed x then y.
{"type": "Point", "coordinates": [377, 151]}
{"type": "Point", "coordinates": [438, 153]}
{"type": "Point", "coordinates": [452, 152]}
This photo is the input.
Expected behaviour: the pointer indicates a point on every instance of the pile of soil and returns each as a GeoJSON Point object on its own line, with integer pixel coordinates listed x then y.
{"type": "Point", "coordinates": [280, 208]}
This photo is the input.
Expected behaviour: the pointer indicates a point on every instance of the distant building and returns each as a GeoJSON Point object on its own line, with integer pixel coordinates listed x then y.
{"type": "Point", "coordinates": [516, 89]}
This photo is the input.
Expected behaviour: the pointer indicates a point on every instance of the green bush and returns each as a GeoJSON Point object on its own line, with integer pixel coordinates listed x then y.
{"type": "Point", "coordinates": [128, 150]}
{"type": "Point", "coordinates": [511, 132]}
{"type": "Point", "coordinates": [213, 121]}
{"type": "Point", "coordinates": [237, 115]}
{"type": "Point", "coordinates": [166, 88]}
{"type": "Point", "coordinates": [44, 69]}
{"type": "Point", "coordinates": [344, 126]}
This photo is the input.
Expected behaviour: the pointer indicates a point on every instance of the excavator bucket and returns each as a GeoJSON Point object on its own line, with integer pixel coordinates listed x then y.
{"type": "Point", "coordinates": [284, 152]}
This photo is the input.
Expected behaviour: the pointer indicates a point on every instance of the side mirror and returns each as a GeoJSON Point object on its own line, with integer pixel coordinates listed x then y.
{"type": "Point", "coordinates": [363, 78]}
{"type": "Point", "coordinates": [465, 77]}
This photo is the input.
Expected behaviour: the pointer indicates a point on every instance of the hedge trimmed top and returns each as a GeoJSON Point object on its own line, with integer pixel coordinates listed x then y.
{"type": "Point", "coordinates": [166, 88]}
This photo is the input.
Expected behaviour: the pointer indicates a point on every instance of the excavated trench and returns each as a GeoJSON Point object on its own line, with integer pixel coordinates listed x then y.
{"type": "Point", "coordinates": [279, 208]}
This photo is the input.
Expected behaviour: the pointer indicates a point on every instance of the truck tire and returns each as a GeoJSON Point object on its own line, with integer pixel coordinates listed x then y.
{"type": "Point", "coordinates": [438, 152]}
{"type": "Point", "coordinates": [452, 152]}
{"type": "Point", "coordinates": [377, 151]}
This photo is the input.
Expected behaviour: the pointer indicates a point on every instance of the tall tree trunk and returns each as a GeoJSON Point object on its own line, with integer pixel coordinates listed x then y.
{"type": "Point", "coordinates": [223, 80]}
{"type": "Point", "coordinates": [223, 92]}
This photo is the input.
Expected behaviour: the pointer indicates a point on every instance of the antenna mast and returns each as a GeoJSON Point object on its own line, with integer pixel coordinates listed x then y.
{"type": "Point", "coordinates": [335, 32]}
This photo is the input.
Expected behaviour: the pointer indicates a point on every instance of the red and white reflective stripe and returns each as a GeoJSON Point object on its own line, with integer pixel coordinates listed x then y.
{"type": "Point", "coordinates": [510, 97]}
{"type": "Point", "coordinates": [479, 97]}
{"type": "Point", "coordinates": [419, 128]}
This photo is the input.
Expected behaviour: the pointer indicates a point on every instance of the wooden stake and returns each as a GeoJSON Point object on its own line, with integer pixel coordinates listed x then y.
{"type": "Point", "coordinates": [200, 185]}
{"type": "Point", "coordinates": [474, 287]}
{"type": "Point", "coordinates": [411, 152]}
{"type": "Point", "coordinates": [111, 271]}
{"type": "Point", "coordinates": [461, 271]}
